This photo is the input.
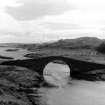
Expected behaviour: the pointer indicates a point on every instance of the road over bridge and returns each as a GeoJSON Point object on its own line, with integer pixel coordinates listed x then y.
{"type": "Point", "coordinates": [38, 65]}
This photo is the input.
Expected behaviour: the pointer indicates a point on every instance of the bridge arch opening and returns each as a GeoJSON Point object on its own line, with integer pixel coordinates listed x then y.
{"type": "Point", "coordinates": [57, 72]}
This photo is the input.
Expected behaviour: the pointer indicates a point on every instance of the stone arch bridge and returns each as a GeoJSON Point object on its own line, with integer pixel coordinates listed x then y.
{"type": "Point", "coordinates": [76, 66]}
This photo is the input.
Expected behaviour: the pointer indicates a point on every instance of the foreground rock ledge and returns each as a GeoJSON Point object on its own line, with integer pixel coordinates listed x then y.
{"type": "Point", "coordinates": [15, 84]}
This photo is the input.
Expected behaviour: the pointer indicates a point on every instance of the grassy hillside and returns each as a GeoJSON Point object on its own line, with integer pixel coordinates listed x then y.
{"type": "Point", "coordinates": [79, 43]}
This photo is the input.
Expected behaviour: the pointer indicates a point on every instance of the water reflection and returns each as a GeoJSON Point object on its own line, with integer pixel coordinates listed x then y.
{"type": "Point", "coordinates": [56, 73]}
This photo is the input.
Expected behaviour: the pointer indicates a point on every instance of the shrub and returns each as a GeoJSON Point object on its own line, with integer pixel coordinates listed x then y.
{"type": "Point", "coordinates": [101, 48]}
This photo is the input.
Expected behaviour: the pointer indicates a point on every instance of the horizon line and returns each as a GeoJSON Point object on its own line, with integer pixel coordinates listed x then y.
{"type": "Point", "coordinates": [49, 41]}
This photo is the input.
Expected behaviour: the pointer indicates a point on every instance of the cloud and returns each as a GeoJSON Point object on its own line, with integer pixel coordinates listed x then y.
{"type": "Point", "coordinates": [45, 20]}
{"type": "Point", "coordinates": [19, 37]}
{"type": "Point", "coordinates": [61, 26]}
{"type": "Point", "coordinates": [32, 9]}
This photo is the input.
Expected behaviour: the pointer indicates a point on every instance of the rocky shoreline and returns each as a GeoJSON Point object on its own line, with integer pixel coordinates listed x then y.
{"type": "Point", "coordinates": [15, 84]}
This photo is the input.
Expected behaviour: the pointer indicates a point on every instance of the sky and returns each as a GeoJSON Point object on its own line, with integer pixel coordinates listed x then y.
{"type": "Point", "coordinates": [31, 21]}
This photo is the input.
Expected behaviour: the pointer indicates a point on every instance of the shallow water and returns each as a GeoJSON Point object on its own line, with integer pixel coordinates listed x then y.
{"type": "Point", "coordinates": [71, 92]}
{"type": "Point", "coordinates": [19, 54]}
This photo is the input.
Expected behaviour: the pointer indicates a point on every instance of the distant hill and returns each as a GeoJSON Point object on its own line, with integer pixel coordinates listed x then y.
{"type": "Point", "coordinates": [78, 43]}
